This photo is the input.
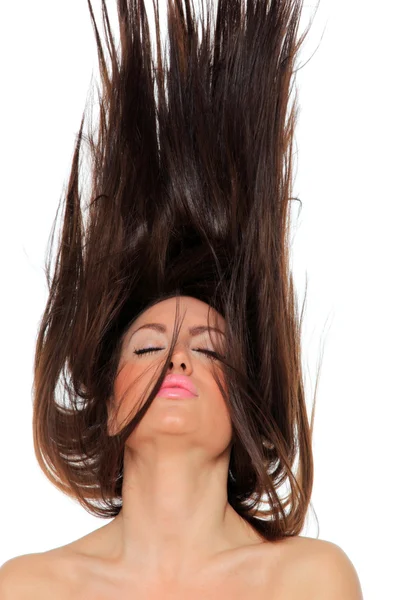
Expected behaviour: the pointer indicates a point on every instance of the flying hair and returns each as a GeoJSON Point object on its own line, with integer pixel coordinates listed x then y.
{"type": "Point", "coordinates": [190, 166]}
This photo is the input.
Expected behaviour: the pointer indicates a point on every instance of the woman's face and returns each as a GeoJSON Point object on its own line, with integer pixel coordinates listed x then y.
{"type": "Point", "coordinates": [204, 416]}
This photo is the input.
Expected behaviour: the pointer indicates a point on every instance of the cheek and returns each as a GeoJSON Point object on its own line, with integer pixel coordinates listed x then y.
{"type": "Point", "coordinates": [125, 379]}
{"type": "Point", "coordinates": [218, 404]}
{"type": "Point", "coordinates": [130, 385]}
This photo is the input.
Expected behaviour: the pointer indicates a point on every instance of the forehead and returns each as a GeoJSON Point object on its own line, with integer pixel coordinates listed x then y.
{"type": "Point", "coordinates": [190, 309]}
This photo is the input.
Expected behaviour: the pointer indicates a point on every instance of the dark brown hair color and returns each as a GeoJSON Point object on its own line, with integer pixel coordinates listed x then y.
{"type": "Point", "coordinates": [189, 194]}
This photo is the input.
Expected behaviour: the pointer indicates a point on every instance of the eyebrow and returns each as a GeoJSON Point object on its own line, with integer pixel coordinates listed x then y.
{"type": "Point", "coordinates": [160, 327]}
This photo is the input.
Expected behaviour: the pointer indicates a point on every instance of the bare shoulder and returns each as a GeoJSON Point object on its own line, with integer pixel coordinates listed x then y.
{"type": "Point", "coordinates": [323, 570]}
{"type": "Point", "coordinates": [19, 576]}
{"type": "Point", "coordinates": [33, 576]}
{"type": "Point", "coordinates": [335, 574]}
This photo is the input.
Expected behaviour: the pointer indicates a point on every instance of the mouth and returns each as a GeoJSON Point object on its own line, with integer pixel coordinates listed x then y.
{"type": "Point", "coordinates": [175, 392]}
{"type": "Point", "coordinates": [178, 383]}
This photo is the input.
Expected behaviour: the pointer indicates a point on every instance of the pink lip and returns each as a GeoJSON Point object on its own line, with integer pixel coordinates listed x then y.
{"type": "Point", "coordinates": [175, 392]}
{"type": "Point", "coordinates": [179, 382]}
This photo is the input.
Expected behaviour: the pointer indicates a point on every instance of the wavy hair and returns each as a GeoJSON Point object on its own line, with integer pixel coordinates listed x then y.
{"type": "Point", "coordinates": [190, 185]}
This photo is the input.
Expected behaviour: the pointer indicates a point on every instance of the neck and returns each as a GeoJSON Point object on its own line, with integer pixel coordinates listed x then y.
{"type": "Point", "coordinates": [175, 515]}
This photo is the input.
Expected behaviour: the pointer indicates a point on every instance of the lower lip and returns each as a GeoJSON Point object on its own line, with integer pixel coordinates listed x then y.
{"type": "Point", "coordinates": [176, 392]}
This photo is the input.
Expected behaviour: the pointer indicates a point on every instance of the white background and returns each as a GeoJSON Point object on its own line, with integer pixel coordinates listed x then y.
{"type": "Point", "coordinates": [346, 242]}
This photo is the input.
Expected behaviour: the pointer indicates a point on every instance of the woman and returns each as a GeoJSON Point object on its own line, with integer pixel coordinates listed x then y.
{"type": "Point", "coordinates": [188, 215]}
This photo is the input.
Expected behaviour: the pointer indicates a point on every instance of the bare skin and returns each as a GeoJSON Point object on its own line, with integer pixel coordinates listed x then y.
{"type": "Point", "coordinates": [84, 569]}
{"type": "Point", "coordinates": [291, 569]}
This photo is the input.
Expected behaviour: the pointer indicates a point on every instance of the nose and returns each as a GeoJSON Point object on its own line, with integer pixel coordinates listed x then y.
{"type": "Point", "coordinates": [179, 359]}
{"type": "Point", "coordinates": [181, 364]}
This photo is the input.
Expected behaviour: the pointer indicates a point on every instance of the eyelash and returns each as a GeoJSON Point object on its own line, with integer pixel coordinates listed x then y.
{"type": "Point", "coordinates": [213, 355]}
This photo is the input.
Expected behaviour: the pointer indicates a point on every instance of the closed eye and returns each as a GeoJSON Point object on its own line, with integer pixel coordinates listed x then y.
{"type": "Point", "coordinates": [213, 355]}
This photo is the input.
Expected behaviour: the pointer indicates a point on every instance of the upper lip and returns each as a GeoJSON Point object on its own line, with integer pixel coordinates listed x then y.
{"type": "Point", "coordinates": [182, 381]}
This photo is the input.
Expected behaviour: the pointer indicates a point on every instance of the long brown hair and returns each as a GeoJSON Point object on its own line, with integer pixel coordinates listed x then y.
{"type": "Point", "coordinates": [190, 185]}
